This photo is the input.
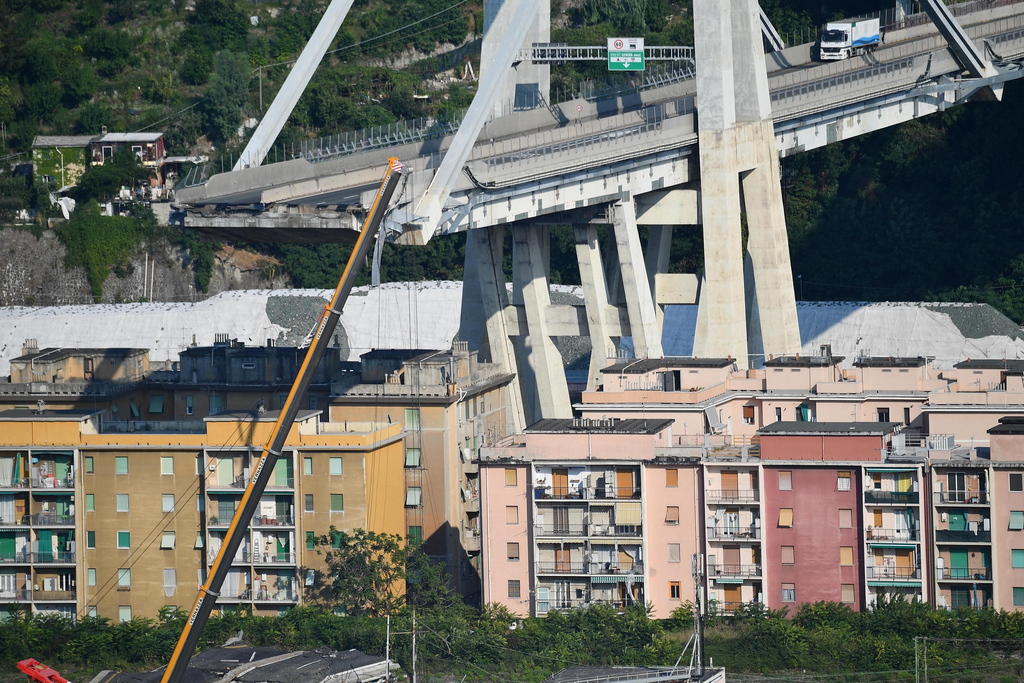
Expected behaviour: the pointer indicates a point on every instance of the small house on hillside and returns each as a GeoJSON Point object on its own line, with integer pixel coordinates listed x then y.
{"type": "Point", "coordinates": [149, 147]}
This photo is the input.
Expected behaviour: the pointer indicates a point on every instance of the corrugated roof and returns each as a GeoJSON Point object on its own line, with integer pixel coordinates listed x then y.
{"type": "Point", "coordinates": [130, 137]}
{"type": "Point", "coordinates": [62, 140]}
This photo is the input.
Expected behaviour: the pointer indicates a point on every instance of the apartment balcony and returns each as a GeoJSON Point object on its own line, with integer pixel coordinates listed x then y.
{"type": "Point", "coordinates": [562, 568]}
{"type": "Point", "coordinates": [560, 529]}
{"type": "Point", "coordinates": [893, 573]}
{"type": "Point", "coordinates": [287, 484]}
{"type": "Point", "coordinates": [240, 596]}
{"type": "Point", "coordinates": [217, 522]}
{"type": "Point", "coordinates": [472, 503]}
{"type": "Point", "coordinates": [629, 569]}
{"type": "Point", "coordinates": [14, 521]}
{"type": "Point", "coordinates": [54, 483]}
{"type": "Point", "coordinates": [873, 497]}
{"type": "Point", "coordinates": [732, 497]}
{"type": "Point", "coordinates": [15, 484]}
{"type": "Point", "coordinates": [275, 595]}
{"type": "Point", "coordinates": [263, 558]}
{"type": "Point", "coordinates": [748, 532]}
{"type": "Point", "coordinates": [729, 607]}
{"type": "Point", "coordinates": [236, 485]}
{"type": "Point", "coordinates": [471, 541]}
{"type": "Point", "coordinates": [241, 557]}
{"type": "Point", "coordinates": [52, 519]}
{"type": "Point", "coordinates": [964, 536]}
{"type": "Point", "coordinates": [53, 557]}
{"type": "Point", "coordinates": [876, 534]}
{"type": "Point", "coordinates": [273, 520]}
{"type": "Point", "coordinates": [617, 530]}
{"type": "Point", "coordinates": [740, 571]}
{"type": "Point", "coordinates": [969, 574]}
{"type": "Point", "coordinates": [545, 606]}
{"type": "Point", "coordinates": [17, 595]}
{"type": "Point", "coordinates": [53, 596]}
{"type": "Point", "coordinates": [584, 493]}
{"type": "Point", "coordinates": [23, 557]}
{"type": "Point", "coordinates": [959, 498]}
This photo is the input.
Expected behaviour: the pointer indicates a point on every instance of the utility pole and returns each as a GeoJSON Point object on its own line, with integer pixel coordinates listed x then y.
{"type": "Point", "coordinates": [387, 649]}
{"type": "Point", "coordinates": [700, 599]}
{"type": "Point", "coordinates": [917, 662]}
{"type": "Point", "coordinates": [414, 645]}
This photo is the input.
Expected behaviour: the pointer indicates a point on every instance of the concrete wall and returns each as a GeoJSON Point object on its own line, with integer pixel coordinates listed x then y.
{"type": "Point", "coordinates": [1004, 541]}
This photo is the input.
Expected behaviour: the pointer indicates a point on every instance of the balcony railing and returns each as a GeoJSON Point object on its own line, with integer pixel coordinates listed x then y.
{"type": "Point", "coordinates": [53, 595]}
{"type": "Point", "coordinates": [53, 557]}
{"type": "Point", "coordinates": [14, 520]}
{"type": "Point", "coordinates": [15, 484]}
{"type": "Point", "coordinates": [22, 557]}
{"type": "Point", "coordinates": [277, 520]}
{"type": "Point", "coordinates": [630, 568]}
{"type": "Point", "coordinates": [585, 493]}
{"type": "Point", "coordinates": [962, 498]}
{"type": "Point", "coordinates": [730, 533]}
{"type": "Point", "coordinates": [275, 595]}
{"type": "Point", "coordinates": [273, 558]}
{"type": "Point", "coordinates": [964, 536]}
{"type": "Point", "coordinates": [882, 534]}
{"type": "Point", "coordinates": [897, 573]}
{"type": "Point", "coordinates": [616, 530]}
{"type": "Point", "coordinates": [560, 529]}
{"type": "Point", "coordinates": [52, 519]}
{"type": "Point", "coordinates": [241, 557]}
{"type": "Point", "coordinates": [236, 483]}
{"type": "Point", "coordinates": [53, 483]}
{"type": "Point", "coordinates": [287, 484]}
{"type": "Point", "coordinates": [738, 570]}
{"type": "Point", "coordinates": [963, 573]}
{"type": "Point", "coordinates": [18, 595]}
{"type": "Point", "coordinates": [729, 496]}
{"type": "Point", "coordinates": [730, 607]}
{"type": "Point", "coordinates": [243, 596]}
{"type": "Point", "coordinates": [871, 496]}
{"type": "Point", "coordinates": [561, 567]}
{"type": "Point", "coordinates": [544, 606]}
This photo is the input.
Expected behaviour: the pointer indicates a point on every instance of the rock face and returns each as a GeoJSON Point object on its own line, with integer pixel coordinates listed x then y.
{"type": "Point", "coordinates": [32, 273]}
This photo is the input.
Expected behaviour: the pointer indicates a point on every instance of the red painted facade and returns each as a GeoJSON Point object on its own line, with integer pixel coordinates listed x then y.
{"type": "Point", "coordinates": [815, 535]}
{"type": "Point", "coordinates": [822, 448]}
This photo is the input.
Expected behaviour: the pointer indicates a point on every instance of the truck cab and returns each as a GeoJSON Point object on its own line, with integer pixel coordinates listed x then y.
{"type": "Point", "coordinates": [843, 39]}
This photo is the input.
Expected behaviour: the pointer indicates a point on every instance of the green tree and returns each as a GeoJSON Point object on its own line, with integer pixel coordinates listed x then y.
{"type": "Point", "coordinates": [365, 572]}
{"type": "Point", "coordinates": [103, 182]}
{"type": "Point", "coordinates": [226, 95]}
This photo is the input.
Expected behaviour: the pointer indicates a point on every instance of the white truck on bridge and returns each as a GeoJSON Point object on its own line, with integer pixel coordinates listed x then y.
{"type": "Point", "coordinates": [843, 39]}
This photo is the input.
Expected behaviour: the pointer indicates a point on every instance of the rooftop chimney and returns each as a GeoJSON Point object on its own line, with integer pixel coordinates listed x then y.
{"type": "Point", "coordinates": [30, 346]}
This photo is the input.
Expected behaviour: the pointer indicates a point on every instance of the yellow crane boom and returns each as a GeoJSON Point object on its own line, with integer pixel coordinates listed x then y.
{"type": "Point", "coordinates": [208, 592]}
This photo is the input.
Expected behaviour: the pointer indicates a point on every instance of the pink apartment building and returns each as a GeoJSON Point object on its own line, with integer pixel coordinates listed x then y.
{"type": "Point", "coordinates": [581, 512]}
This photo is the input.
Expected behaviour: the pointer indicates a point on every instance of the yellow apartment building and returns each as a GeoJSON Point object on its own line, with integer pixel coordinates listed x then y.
{"type": "Point", "coordinates": [104, 518]}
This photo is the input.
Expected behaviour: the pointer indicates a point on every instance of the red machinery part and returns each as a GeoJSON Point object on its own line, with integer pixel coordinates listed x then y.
{"type": "Point", "coordinates": [37, 671]}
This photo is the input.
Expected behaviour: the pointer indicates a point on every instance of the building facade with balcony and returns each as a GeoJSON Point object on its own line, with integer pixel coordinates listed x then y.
{"type": "Point", "coordinates": [103, 522]}
{"type": "Point", "coordinates": [580, 512]}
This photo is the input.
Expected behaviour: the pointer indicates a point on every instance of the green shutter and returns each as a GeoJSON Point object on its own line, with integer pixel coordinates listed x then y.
{"type": "Point", "coordinates": [310, 540]}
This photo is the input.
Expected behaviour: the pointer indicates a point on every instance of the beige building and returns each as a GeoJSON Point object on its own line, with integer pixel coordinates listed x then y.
{"type": "Point", "coordinates": [450, 405]}
{"type": "Point", "coordinates": [97, 520]}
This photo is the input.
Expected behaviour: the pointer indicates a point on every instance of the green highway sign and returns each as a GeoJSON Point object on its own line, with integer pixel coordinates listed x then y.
{"type": "Point", "coordinates": [625, 54]}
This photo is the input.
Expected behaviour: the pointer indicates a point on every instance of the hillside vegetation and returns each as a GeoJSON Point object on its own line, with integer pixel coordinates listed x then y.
{"type": "Point", "coordinates": [928, 210]}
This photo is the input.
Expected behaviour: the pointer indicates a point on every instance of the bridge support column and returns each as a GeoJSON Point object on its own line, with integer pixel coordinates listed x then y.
{"type": "Point", "coordinates": [736, 138]}
{"type": "Point", "coordinates": [484, 300]}
{"type": "Point", "coordinates": [544, 387]}
{"type": "Point", "coordinates": [595, 299]}
{"type": "Point", "coordinates": [643, 322]}
{"type": "Point", "coordinates": [657, 254]}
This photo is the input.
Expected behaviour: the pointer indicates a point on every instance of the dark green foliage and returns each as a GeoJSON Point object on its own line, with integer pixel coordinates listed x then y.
{"type": "Point", "coordinates": [196, 67]}
{"type": "Point", "coordinates": [100, 243]}
{"type": "Point", "coordinates": [102, 182]}
{"type": "Point", "coordinates": [216, 25]}
{"type": "Point", "coordinates": [112, 49]}
{"type": "Point", "coordinates": [201, 253]}
{"type": "Point", "coordinates": [226, 95]}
